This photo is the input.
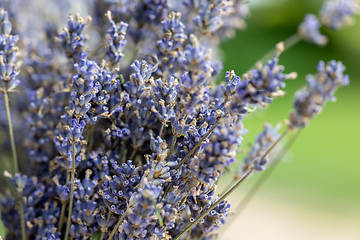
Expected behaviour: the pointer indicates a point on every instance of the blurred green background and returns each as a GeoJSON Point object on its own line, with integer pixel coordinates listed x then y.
{"type": "Point", "coordinates": [317, 187]}
{"type": "Point", "coordinates": [315, 192]}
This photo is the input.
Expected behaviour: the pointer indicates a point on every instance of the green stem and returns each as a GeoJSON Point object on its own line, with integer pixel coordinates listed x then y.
{"type": "Point", "coordinates": [288, 43]}
{"type": "Point", "coordinates": [158, 214]}
{"type": "Point", "coordinates": [14, 155]}
{"type": "Point", "coordinates": [228, 186]}
{"type": "Point", "coordinates": [242, 205]}
{"type": "Point", "coordinates": [63, 207]}
{"type": "Point", "coordinates": [117, 225]}
{"type": "Point", "coordinates": [71, 191]}
{"type": "Point", "coordinates": [191, 225]}
{"type": "Point", "coordinates": [11, 132]}
{"type": "Point", "coordinates": [108, 217]}
{"type": "Point", "coordinates": [23, 229]}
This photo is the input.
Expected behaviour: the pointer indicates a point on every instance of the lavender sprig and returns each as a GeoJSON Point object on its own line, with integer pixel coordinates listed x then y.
{"type": "Point", "coordinates": [324, 83]}
{"type": "Point", "coordinates": [321, 87]}
{"type": "Point", "coordinates": [8, 82]}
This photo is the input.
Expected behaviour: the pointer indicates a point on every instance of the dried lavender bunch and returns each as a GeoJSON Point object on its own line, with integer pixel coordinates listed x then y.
{"type": "Point", "coordinates": [128, 140]}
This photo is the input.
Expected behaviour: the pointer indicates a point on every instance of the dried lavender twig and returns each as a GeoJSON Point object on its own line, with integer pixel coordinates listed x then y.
{"type": "Point", "coordinates": [255, 188]}
{"type": "Point", "coordinates": [213, 206]}
{"type": "Point", "coordinates": [14, 155]}
{"type": "Point", "coordinates": [117, 225]}
{"type": "Point", "coordinates": [71, 191]}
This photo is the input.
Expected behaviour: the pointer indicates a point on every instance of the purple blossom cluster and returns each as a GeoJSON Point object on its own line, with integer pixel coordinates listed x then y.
{"type": "Point", "coordinates": [8, 55]}
{"type": "Point", "coordinates": [321, 88]}
{"type": "Point", "coordinates": [334, 14]}
{"type": "Point", "coordinates": [128, 140]}
{"type": "Point", "coordinates": [257, 157]}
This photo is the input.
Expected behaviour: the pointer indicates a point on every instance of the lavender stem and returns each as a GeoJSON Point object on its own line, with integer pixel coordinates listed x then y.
{"type": "Point", "coordinates": [16, 166]}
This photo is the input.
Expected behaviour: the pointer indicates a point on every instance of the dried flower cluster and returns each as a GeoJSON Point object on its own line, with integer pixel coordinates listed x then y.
{"type": "Point", "coordinates": [128, 139]}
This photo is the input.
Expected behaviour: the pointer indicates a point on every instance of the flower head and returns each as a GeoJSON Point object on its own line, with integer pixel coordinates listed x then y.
{"type": "Point", "coordinates": [321, 88]}
{"type": "Point", "coordinates": [309, 30]}
{"type": "Point", "coordinates": [334, 14]}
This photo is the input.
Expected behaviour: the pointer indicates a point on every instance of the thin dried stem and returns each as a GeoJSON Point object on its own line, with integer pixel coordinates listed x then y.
{"type": "Point", "coordinates": [107, 221]}
{"type": "Point", "coordinates": [23, 229]}
{"type": "Point", "coordinates": [133, 154]}
{"type": "Point", "coordinates": [228, 186]}
{"type": "Point", "coordinates": [62, 214]}
{"type": "Point", "coordinates": [191, 225]}
{"type": "Point", "coordinates": [258, 184]}
{"type": "Point", "coordinates": [275, 143]}
{"type": "Point", "coordinates": [192, 151]}
{"type": "Point", "coordinates": [11, 133]}
{"type": "Point", "coordinates": [71, 191]}
{"type": "Point", "coordinates": [161, 129]}
{"type": "Point", "coordinates": [288, 43]}
{"type": "Point", "coordinates": [188, 235]}
{"type": "Point", "coordinates": [63, 207]}
{"type": "Point", "coordinates": [199, 143]}
{"type": "Point", "coordinates": [117, 225]}
{"type": "Point", "coordinates": [14, 155]}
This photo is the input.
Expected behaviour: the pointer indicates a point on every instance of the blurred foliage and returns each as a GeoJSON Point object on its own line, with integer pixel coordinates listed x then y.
{"type": "Point", "coordinates": [323, 166]}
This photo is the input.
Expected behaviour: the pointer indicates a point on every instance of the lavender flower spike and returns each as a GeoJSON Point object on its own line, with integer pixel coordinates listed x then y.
{"type": "Point", "coordinates": [8, 55]}
{"type": "Point", "coordinates": [72, 39]}
{"type": "Point", "coordinates": [321, 87]}
{"type": "Point", "coordinates": [116, 40]}
{"type": "Point", "coordinates": [263, 142]}
{"type": "Point", "coordinates": [334, 14]}
{"type": "Point", "coordinates": [259, 86]}
{"type": "Point", "coordinates": [309, 30]}
{"type": "Point", "coordinates": [76, 130]}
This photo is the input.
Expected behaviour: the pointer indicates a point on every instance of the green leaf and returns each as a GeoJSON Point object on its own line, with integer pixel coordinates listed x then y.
{"type": "Point", "coordinates": [158, 214]}
{"type": "Point", "coordinates": [96, 235]}
{"type": "Point", "coordinates": [122, 80]}
{"type": "Point", "coordinates": [250, 109]}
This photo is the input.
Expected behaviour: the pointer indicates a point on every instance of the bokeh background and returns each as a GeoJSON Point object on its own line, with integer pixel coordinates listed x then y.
{"type": "Point", "coordinates": [315, 191]}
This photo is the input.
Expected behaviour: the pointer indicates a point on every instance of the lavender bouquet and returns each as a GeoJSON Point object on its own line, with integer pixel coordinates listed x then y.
{"type": "Point", "coordinates": [116, 127]}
